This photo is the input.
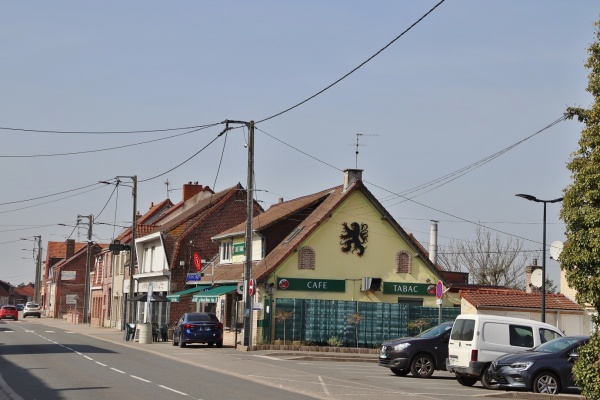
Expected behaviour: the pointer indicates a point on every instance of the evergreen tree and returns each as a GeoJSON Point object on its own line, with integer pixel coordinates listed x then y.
{"type": "Point", "coordinates": [580, 211]}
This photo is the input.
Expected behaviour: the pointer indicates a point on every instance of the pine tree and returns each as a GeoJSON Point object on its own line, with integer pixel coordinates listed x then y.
{"type": "Point", "coordinates": [580, 211]}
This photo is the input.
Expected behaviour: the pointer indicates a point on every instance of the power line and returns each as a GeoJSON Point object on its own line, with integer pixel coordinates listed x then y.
{"type": "Point", "coordinates": [105, 149]}
{"type": "Point", "coordinates": [107, 132]}
{"type": "Point", "coordinates": [355, 69]}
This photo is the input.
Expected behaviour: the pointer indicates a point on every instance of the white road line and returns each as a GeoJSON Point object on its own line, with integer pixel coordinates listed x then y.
{"type": "Point", "coordinates": [50, 331]}
{"type": "Point", "coordinates": [323, 385]}
{"type": "Point", "coordinates": [69, 332]}
{"type": "Point", "coordinates": [173, 390]}
{"type": "Point", "coordinates": [141, 379]}
{"type": "Point", "coordinates": [272, 358]}
{"type": "Point", "coordinates": [99, 363]}
{"type": "Point", "coordinates": [89, 358]}
{"type": "Point", "coordinates": [118, 370]}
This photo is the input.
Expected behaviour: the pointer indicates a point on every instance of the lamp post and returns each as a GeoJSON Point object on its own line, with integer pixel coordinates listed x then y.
{"type": "Point", "coordinates": [533, 198]}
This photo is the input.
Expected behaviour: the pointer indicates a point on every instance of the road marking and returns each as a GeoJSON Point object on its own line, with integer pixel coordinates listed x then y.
{"type": "Point", "coordinates": [99, 363]}
{"type": "Point", "coordinates": [272, 358]}
{"type": "Point", "coordinates": [89, 358]}
{"type": "Point", "coordinates": [323, 385]}
{"type": "Point", "coordinates": [141, 379]}
{"type": "Point", "coordinates": [117, 370]}
{"type": "Point", "coordinates": [50, 331]}
{"type": "Point", "coordinates": [173, 390]}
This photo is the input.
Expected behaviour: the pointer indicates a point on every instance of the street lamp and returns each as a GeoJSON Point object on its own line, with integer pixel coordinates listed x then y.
{"type": "Point", "coordinates": [533, 198]}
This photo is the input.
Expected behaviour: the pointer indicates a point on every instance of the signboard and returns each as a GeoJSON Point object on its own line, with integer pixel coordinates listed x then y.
{"type": "Point", "coordinates": [411, 289]}
{"type": "Point", "coordinates": [68, 275]}
{"type": "Point", "coordinates": [71, 299]}
{"type": "Point", "coordinates": [240, 288]}
{"type": "Point", "coordinates": [197, 262]}
{"type": "Point", "coordinates": [312, 285]}
{"type": "Point", "coordinates": [193, 277]}
{"type": "Point", "coordinates": [251, 286]}
{"type": "Point", "coordinates": [239, 248]}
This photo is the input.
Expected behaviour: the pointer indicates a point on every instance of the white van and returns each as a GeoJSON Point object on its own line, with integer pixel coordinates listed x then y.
{"type": "Point", "coordinates": [478, 339]}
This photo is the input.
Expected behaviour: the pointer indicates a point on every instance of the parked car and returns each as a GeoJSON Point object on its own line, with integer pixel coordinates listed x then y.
{"type": "Point", "coordinates": [32, 310]}
{"type": "Point", "coordinates": [20, 307]}
{"type": "Point", "coordinates": [478, 339]}
{"type": "Point", "coordinates": [544, 369]}
{"type": "Point", "coordinates": [9, 312]}
{"type": "Point", "coordinates": [198, 327]}
{"type": "Point", "coordinates": [420, 355]}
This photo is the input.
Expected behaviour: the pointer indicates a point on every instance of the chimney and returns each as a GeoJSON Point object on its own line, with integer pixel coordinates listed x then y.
{"type": "Point", "coordinates": [70, 248]}
{"type": "Point", "coordinates": [351, 176]}
{"type": "Point", "coordinates": [433, 247]}
{"type": "Point", "coordinates": [190, 190]}
{"type": "Point", "coordinates": [528, 270]}
{"type": "Point", "coordinates": [280, 200]}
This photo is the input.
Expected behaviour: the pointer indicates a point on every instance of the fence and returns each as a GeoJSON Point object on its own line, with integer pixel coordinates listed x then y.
{"type": "Point", "coordinates": [355, 324]}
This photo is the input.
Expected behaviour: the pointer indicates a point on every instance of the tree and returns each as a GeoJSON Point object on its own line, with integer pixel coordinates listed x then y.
{"type": "Point", "coordinates": [580, 258]}
{"type": "Point", "coordinates": [354, 320]}
{"type": "Point", "coordinates": [283, 316]}
{"type": "Point", "coordinates": [487, 259]}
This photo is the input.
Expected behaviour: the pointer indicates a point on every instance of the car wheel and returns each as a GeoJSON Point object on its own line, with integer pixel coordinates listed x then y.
{"type": "Point", "coordinates": [24, 316]}
{"type": "Point", "coordinates": [182, 344]}
{"type": "Point", "coordinates": [422, 366]}
{"type": "Point", "coordinates": [39, 315]}
{"type": "Point", "coordinates": [546, 382]}
{"type": "Point", "coordinates": [488, 381]}
{"type": "Point", "coordinates": [399, 372]}
{"type": "Point", "coordinates": [220, 344]}
{"type": "Point", "coordinates": [465, 381]}
{"type": "Point", "coordinates": [174, 341]}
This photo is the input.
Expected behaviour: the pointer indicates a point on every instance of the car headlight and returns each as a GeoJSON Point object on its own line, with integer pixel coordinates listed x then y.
{"type": "Point", "coordinates": [401, 346]}
{"type": "Point", "coordinates": [522, 366]}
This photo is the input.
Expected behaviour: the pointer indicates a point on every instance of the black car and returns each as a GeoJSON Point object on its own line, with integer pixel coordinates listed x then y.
{"type": "Point", "coordinates": [543, 369]}
{"type": "Point", "coordinates": [420, 355]}
{"type": "Point", "coordinates": [198, 327]}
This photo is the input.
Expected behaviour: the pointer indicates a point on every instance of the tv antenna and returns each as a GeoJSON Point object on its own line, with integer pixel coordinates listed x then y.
{"type": "Point", "coordinates": [167, 185]}
{"type": "Point", "coordinates": [357, 144]}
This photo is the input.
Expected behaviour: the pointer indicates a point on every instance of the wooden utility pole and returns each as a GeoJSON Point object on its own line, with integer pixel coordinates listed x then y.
{"type": "Point", "coordinates": [248, 248]}
{"type": "Point", "coordinates": [38, 270]}
{"type": "Point", "coordinates": [86, 290]}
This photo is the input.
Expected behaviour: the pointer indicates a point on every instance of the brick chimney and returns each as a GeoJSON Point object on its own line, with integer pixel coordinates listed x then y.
{"type": "Point", "coordinates": [70, 248]}
{"type": "Point", "coordinates": [351, 176]}
{"type": "Point", "coordinates": [190, 190]}
{"type": "Point", "coordinates": [528, 270]}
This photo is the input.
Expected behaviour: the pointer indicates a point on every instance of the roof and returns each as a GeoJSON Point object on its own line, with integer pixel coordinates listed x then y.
{"type": "Point", "coordinates": [324, 203]}
{"type": "Point", "coordinates": [509, 298]}
{"type": "Point", "coordinates": [59, 249]}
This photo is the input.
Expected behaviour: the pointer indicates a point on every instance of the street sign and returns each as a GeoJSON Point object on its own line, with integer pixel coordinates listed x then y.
{"type": "Point", "coordinates": [251, 286]}
{"type": "Point", "coordinates": [71, 299]}
{"type": "Point", "coordinates": [439, 290]}
{"type": "Point", "coordinates": [240, 288]}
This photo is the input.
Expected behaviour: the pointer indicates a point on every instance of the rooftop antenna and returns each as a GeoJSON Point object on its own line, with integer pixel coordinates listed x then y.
{"type": "Point", "coordinates": [167, 184]}
{"type": "Point", "coordinates": [357, 144]}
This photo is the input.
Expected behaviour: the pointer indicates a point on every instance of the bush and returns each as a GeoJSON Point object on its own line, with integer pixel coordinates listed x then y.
{"type": "Point", "coordinates": [335, 341]}
{"type": "Point", "coordinates": [586, 370]}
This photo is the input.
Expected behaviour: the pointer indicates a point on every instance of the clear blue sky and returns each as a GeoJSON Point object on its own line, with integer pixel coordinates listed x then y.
{"type": "Point", "coordinates": [469, 80]}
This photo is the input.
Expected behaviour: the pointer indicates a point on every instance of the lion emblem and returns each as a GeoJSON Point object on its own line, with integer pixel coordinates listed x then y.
{"type": "Point", "coordinates": [354, 237]}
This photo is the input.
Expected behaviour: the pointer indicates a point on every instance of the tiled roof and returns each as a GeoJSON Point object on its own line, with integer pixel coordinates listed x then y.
{"type": "Point", "coordinates": [3, 292]}
{"type": "Point", "coordinates": [59, 249]}
{"type": "Point", "coordinates": [24, 291]}
{"type": "Point", "coordinates": [508, 298]}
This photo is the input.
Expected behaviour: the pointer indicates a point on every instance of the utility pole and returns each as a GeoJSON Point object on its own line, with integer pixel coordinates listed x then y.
{"type": "Point", "coordinates": [38, 270]}
{"type": "Point", "coordinates": [249, 211]}
{"type": "Point", "coordinates": [86, 293]}
{"type": "Point", "coordinates": [132, 252]}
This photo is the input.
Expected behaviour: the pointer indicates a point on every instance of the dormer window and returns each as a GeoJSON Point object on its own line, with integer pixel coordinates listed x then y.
{"type": "Point", "coordinates": [226, 251]}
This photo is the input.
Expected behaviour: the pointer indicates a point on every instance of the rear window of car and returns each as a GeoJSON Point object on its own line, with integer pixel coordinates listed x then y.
{"type": "Point", "coordinates": [203, 318]}
{"type": "Point", "coordinates": [463, 329]}
{"type": "Point", "coordinates": [32, 305]}
{"type": "Point", "coordinates": [9, 308]}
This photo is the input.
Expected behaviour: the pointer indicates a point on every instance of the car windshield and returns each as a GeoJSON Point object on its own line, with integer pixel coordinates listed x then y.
{"type": "Point", "coordinates": [556, 345]}
{"type": "Point", "coordinates": [435, 331]}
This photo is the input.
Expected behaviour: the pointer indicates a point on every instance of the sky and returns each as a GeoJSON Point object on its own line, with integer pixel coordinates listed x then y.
{"type": "Point", "coordinates": [452, 119]}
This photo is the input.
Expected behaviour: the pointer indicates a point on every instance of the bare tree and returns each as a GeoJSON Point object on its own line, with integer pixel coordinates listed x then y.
{"type": "Point", "coordinates": [488, 259]}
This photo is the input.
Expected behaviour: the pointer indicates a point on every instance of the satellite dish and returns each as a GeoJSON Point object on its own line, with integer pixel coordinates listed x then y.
{"type": "Point", "coordinates": [536, 278]}
{"type": "Point", "coordinates": [555, 249]}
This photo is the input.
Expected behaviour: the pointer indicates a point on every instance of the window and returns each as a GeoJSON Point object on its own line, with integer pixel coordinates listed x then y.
{"type": "Point", "coordinates": [463, 329]}
{"type": "Point", "coordinates": [403, 263]}
{"type": "Point", "coordinates": [521, 336]}
{"type": "Point", "coordinates": [306, 258]}
{"type": "Point", "coordinates": [226, 250]}
{"type": "Point", "coordinates": [547, 335]}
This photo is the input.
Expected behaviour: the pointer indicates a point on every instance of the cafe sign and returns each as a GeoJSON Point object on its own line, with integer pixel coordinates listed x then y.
{"type": "Point", "coordinates": [311, 285]}
{"type": "Point", "coordinates": [405, 288]}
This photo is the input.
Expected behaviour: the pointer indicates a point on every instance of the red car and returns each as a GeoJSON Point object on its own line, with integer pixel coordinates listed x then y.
{"type": "Point", "coordinates": [9, 312]}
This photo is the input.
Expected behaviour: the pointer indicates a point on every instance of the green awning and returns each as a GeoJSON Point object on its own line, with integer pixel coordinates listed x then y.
{"type": "Point", "coordinates": [174, 297]}
{"type": "Point", "coordinates": [212, 295]}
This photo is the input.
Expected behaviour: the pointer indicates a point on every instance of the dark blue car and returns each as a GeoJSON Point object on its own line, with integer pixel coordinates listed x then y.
{"type": "Point", "coordinates": [198, 327]}
{"type": "Point", "coordinates": [543, 369]}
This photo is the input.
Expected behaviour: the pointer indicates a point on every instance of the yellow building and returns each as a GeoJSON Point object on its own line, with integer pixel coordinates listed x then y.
{"type": "Point", "coordinates": [337, 245]}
